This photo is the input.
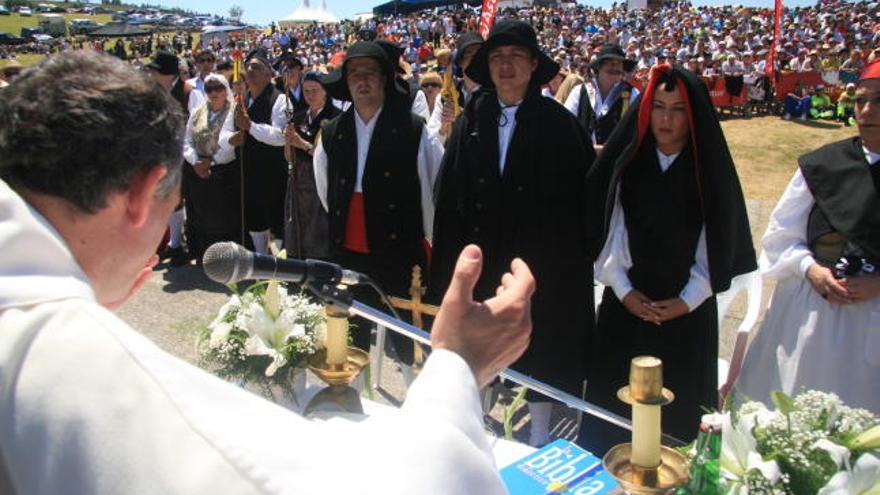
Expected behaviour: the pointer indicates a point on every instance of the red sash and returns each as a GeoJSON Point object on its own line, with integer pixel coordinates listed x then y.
{"type": "Point", "coordinates": [356, 226]}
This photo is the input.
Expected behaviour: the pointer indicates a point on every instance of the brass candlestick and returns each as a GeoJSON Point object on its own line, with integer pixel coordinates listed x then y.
{"type": "Point", "coordinates": [338, 395]}
{"type": "Point", "coordinates": [669, 468]}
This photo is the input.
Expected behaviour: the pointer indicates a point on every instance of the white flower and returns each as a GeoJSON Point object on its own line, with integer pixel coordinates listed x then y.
{"type": "Point", "coordinates": [219, 334]}
{"type": "Point", "coordinates": [757, 415]}
{"type": "Point", "coordinates": [838, 453]}
{"type": "Point", "coordinates": [864, 476]}
{"type": "Point", "coordinates": [738, 450]}
{"type": "Point", "coordinates": [268, 337]}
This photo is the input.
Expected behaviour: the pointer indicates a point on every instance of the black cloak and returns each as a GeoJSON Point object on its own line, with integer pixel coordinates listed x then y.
{"type": "Point", "coordinates": [664, 214]}
{"type": "Point", "coordinates": [533, 210]}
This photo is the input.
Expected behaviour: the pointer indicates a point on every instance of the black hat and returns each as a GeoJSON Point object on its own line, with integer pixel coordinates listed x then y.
{"type": "Point", "coordinates": [314, 75]}
{"type": "Point", "coordinates": [335, 82]}
{"type": "Point", "coordinates": [613, 51]}
{"type": "Point", "coordinates": [165, 63]}
{"type": "Point", "coordinates": [511, 32]}
{"type": "Point", "coordinates": [392, 51]}
{"type": "Point", "coordinates": [290, 58]}
{"type": "Point", "coordinates": [260, 55]}
{"type": "Point", "coordinates": [467, 39]}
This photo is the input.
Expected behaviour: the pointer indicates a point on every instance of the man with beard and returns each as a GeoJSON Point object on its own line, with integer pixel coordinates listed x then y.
{"type": "Point", "coordinates": [512, 182]}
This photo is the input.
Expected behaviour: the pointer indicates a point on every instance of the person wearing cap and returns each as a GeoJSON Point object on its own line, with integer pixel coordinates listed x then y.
{"type": "Point", "coordinates": [289, 82]}
{"type": "Point", "coordinates": [822, 246]}
{"type": "Point", "coordinates": [306, 226]}
{"type": "Point", "coordinates": [512, 182]}
{"type": "Point", "coordinates": [821, 106]}
{"type": "Point", "coordinates": [603, 99]}
{"type": "Point", "coordinates": [466, 47]}
{"type": "Point", "coordinates": [846, 104]}
{"type": "Point", "coordinates": [257, 128]}
{"type": "Point", "coordinates": [665, 196]}
{"type": "Point", "coordinates": [375, 166]}
{"type": "Point", "coordinates": [165, 69]}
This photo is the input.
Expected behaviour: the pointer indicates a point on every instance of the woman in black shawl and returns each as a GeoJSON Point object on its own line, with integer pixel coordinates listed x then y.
{"type": "Point", "coordinates": [674, 232]}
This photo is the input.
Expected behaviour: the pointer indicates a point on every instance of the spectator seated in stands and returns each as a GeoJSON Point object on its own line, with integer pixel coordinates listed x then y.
{"type": "Point", "coordinates": [846, 104]}
{"type": "Point", "coordinates": [797, 103]}
{"type": "Point", "coordinates": [821, 106]}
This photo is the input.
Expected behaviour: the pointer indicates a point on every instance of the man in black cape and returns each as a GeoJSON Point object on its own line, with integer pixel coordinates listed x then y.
{"type": "Point", "coordinates": [674, 232]}
{"type": "Point", "coordinates": [512, 182]}
{"type": "Point", "coordinates": [375, 165]}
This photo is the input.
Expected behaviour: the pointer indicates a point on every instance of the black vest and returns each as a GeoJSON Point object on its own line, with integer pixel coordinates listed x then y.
{"type": "Point", "coordinates": [391, 187]}
{"type": "Point", "coordinates": [847, 203]}
{"type": "Point", "coordinates": [663, 221]}
{"type": "Point", "coordinates": [604, 125]}
{"type": "Point", "coordinates": [260, 112]}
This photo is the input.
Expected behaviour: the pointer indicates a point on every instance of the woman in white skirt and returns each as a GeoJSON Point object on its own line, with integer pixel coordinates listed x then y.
{"type": "Point", "coordinates": [822, 329]}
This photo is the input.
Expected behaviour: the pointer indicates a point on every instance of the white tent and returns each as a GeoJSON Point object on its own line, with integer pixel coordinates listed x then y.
{"type": "Point", "coordinates": [306, 14]}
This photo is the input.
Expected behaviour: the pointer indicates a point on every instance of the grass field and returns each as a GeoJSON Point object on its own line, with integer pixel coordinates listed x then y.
{"type": "Point", "coordinates": [765, 150]}
{"type": "Point", "coordinates": [13, 23]}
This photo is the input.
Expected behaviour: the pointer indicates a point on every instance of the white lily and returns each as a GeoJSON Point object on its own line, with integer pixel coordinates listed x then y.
{"type": "Point", "coordinates": [862, 479]}
{"type": "Point", "coordinates": [219, 327]}
{"type": "Point", "coordinates": [739, 454]}
{"type": "Point", "coordinates": [839, 454]}
{"type": "Point", "coordinates": [268, 336]}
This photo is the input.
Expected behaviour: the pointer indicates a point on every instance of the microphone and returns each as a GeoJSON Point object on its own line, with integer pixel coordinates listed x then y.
{"type": "Point", "coordinates": [228, 262]}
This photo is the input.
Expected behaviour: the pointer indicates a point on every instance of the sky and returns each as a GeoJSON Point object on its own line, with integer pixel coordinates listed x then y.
{"type": "Point", "coordinates": [263, 12]}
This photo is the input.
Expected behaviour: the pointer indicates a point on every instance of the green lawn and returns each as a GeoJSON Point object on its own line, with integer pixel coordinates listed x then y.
{"type": "Point", "coordinates": [13, 23]}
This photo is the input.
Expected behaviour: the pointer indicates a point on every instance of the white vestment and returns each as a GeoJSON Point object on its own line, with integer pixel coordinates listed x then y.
{"type": "Point", "coordinates": [90, 406]}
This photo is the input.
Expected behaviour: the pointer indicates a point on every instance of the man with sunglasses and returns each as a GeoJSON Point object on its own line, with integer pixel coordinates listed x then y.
{"type": "Point", "coordinates": [205, 63]}
{"type": "Point", "coordinates": [604, 98]}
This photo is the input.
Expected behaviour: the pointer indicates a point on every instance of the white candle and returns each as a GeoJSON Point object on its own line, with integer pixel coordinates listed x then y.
{"type": "Point", "coordinates": [337, 340]}
{"type": "Point", "coordinates": [645, 435]}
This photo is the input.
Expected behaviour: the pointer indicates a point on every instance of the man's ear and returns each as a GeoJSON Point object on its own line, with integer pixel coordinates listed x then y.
{"type": "Point", "coordinates": [141, 196]}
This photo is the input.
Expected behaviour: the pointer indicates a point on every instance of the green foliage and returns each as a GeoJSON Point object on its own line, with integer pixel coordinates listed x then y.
{"type": "Point", "coordinates": [510, 410]}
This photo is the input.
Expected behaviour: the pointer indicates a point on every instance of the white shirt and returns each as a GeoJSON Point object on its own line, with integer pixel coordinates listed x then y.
{"type": "Point", "coordinates": [269, 133]}
{"type": "Point", "coordinates": [430, 155]}
{"type": "Point", "coordinates": [615, 259]}
{"type": "Point", "coordinates": [786, 250]}
{"type": "Point", "coordinates": [600, 104]}
{"type": "Point", "coordinates": [90, 406]}
{"type": "Point", "coordinates": [505, 132]}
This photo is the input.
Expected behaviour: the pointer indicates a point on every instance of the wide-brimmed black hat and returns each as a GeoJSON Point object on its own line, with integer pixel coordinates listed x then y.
{"type": "Point", "coordinates": [505, 33]}
{"type": "Point", "coordinates": [393, 52]}
{"type": "Point", "coordinates": [335, 82]}
{"type": "Point", "coordinates": [467, 39]}
{"type": "Point", "coordinates": [260, 55]}
{"type": "Point", "coordinates": [165, 63]}
{"type": "Point", "coordinates": [612, 51]}
{"type": "Point", "coordinates": [288, 57]}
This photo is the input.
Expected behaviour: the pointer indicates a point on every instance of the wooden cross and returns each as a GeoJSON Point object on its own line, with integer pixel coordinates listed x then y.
{"type": "Point", "coordinates": [417, 308]}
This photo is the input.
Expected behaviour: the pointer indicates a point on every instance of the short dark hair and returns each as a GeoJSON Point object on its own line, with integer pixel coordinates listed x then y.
{"type": "Point", "coordinates": [82, 125]}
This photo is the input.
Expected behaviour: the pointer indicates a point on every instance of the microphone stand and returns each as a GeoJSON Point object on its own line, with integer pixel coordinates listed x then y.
{"type": "Point", "coordinates": [340, 299]}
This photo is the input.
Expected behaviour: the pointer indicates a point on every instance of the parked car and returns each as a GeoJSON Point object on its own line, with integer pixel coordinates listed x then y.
{"type": "Point", "coordinates": [9, 39]}
{"type": "Point", "coordinates": [4, 10]}
{"type": "Point", "coordinates": [25, 12]}
{"type": "Point", "coordinates": [83, 26]}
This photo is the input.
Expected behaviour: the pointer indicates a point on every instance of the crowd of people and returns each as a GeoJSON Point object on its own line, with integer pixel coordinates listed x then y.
{"type": "Point", "coordinates": [404, 140]}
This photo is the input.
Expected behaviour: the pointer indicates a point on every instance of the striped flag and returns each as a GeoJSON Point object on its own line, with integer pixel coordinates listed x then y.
{"type": "Point", "coordinates": [487, 17]}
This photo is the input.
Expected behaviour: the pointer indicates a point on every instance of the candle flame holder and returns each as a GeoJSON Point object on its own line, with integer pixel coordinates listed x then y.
{"type": "Point", "coordinates": [338, 394]}
{"type": "Point", "coordinates": [646, 388]}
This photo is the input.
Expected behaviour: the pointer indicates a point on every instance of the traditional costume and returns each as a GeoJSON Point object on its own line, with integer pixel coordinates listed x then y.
{"type": "Point", "coordinates": [512, 182]}
{"type": "Point", "coordinates": [306, 228]}
{"type": "Point", "coordinates": [282, 64]}
{"type": "Point", "coordinates": [671, 226]}
{"type": "Point", "coordinates": [829, 212]}
{"type": "Point", "coordinates": [265, 169]}
{"type": "Point", "coordinates": [213, 203]}
{"type": "Point", "coordinates": [376, 179]}
{"type": "Point", "coordinates": [598, 113]}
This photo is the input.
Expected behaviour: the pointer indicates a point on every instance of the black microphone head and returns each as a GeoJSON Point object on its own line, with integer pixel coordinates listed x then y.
{"type": "Point", "coordinates": [224, 262]}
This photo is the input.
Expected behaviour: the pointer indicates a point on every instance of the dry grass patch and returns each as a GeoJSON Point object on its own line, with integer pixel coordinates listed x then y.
{"type": "Point", "coordinates": [765, 150]}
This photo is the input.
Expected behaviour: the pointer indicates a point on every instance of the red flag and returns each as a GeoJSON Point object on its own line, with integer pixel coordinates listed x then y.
{"type": "Point", "coordinates": [770, 67]}
{"type": "Point", "coordinates": [487, 17]}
